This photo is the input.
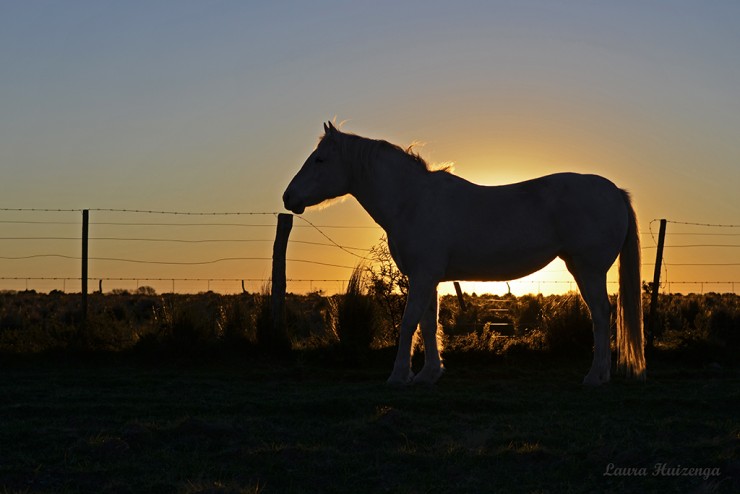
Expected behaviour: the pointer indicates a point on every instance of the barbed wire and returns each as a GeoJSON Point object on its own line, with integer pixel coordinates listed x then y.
{"type": "Point", "coordinates": [172, 263]}
{"type": "Point", "coordinates": [713, 225]}
{"type": "Point", "coordinates": [143, 281]}
{"type": "Point", "coordinates": [187, 241]}
{"type": "Point", "coordinates": [246, 225]}
{"type": "Point", "coordinates": [697, 234]}
{"type": "Point", "coordinates": [692, 246]}
{"type": "Point", "coordinates": [173, 213]}
{"type": "Point", "coordinates": [666, 265]}
{"type": "Point", "coordinates": [357, 252]}
{"type": "Point", "coordinates": [268, 213]}
{"type": "Point", "coordinates": [143, 211]}
{"type": "Point", "coordinates": [148, 278]}
{"type": "Point", "coordinates": [17, 222]}
{"type": "Point", "coordinates": [332, 240]}
{"type": "Point", "coordinates": [323, 244]}
{"type": "Point", "coordinates": [305, 280]}
{"type": "Point", "coordinates": [198, 224]}
{"type": "Point", "coordinates": [187, 213]}
{"type": "Point", "coordinates": [689, 223]}
{"type": "Point", "coordinates": [42, 210]}
{"type": "Point", "coordinates": [703, 263]}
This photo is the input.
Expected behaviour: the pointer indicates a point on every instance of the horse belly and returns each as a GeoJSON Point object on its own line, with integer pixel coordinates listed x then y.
{"type": "Point", "coordinates": [478, 263]}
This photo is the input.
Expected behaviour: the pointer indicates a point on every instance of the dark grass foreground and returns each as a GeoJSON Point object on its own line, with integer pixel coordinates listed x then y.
{"type": "Point", "coordinates": [312, 427]}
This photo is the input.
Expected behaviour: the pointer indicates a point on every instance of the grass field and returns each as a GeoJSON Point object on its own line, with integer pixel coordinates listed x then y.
{"type": "Point", "coordinates": [311, 425]}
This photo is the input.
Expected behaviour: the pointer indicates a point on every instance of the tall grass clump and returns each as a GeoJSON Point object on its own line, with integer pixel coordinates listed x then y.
{"type": "Point", "coordinates": [526, 313]}
{"type": "Point", "coordinates": [722, 326]}
{"type": "Point", "coordinates": [236, 322]}
{"type": "Point", "coordinates": [357, 318]}
{"type": "Point", "coordinates": [181, 327]}
{"type": "Point", "coordinates": [567, 327]}
{"type": "Point", "coordinates": [268, 339]}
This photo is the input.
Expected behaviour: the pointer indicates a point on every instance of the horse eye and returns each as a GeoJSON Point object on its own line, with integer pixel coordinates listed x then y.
{"type": "Point", "coordinates": [319, 160]}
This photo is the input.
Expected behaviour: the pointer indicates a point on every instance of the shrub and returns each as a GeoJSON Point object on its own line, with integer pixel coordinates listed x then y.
{"type": "Point", "coordinates": [311, 320]}
{"type": "Point", "coordinates": [696, 328]}
{"type": "Point", "coordinates": [465, 321]}
{"type": "Point", "coordinates": [189, 323]}
{"type": "Point", "coordinates": [486, 339]}
{"type": "Point", "coordinates": [357, 320]}
{"type": "Point", "coordinates": [566, 323]}
{"type": "Point", "coordinates": [721, 325]}
{"type": "Point", "coordinates": [389, 287]}
{"type": "Point", "coordinates": [275, 342]}
{"type": "Point", "coordinates": [234, 322]}
{"type": "Point", "coordinates": [526, 313]}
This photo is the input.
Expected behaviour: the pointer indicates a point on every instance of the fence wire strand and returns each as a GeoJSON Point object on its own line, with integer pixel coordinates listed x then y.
{"type": "Point", "coordinates": [359, 253]}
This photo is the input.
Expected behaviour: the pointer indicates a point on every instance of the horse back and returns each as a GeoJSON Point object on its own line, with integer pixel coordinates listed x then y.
{"type": "Point", "coordinates": [504, 232]}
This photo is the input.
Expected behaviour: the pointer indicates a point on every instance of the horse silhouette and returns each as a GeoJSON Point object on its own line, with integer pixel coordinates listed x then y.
{"type": "Point", "coordinates": [441, 227]}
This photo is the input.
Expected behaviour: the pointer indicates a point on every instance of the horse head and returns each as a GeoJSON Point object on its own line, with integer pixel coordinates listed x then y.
{"type": "Point", "coordinates": [323, 176]}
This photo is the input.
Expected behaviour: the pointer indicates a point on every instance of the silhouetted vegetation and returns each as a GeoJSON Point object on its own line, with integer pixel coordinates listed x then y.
{"type": "Point", "coordinates": [698, 328]}
{"type": "Point", "coordinates": [357, 319]}
{"type": "Point", "coordinates": [389, 287]}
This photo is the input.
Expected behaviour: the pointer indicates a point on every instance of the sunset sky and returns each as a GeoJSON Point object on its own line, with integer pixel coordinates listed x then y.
{"type": "Point", "coordinates": [212, 106]}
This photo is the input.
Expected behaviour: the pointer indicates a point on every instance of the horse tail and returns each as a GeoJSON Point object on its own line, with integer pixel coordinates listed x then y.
{"type": "Point", "coordinates": [630, 349]}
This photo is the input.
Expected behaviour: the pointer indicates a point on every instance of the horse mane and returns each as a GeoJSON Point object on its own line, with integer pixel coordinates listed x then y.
{"type": "Point", "coordinates": [364, 149]}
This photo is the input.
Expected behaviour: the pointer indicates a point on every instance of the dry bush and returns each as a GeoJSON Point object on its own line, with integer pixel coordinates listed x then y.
{"type": "Point", "coordinates": [566, 324]}
{"type": "Point", "coordinates": [357, 317]}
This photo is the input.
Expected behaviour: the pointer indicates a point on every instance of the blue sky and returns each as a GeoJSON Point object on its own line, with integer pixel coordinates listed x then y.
{"type": "Point", "coordinates": [213, 106]}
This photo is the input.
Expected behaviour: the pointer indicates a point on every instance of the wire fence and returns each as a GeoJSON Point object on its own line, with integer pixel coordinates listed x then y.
{"type": "Point", "coordinates": [698, 257]}
{"type": "Point", "coordinates": [170, 251]}
{"type": "Point", "coordinates": [230, 252]}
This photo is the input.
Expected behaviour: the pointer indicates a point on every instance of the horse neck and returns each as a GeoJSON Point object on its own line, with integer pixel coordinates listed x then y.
{"type": "Point", "coordinates": [386, 185]}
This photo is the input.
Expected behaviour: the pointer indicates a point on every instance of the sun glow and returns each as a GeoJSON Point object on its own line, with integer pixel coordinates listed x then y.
{"type": "Point", "coordinates": [552, 279]}
{"type": "Point", "coordinates": [504, 169]}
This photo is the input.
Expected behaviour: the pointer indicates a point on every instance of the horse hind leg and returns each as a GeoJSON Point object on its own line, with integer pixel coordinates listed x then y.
{"type": "Point", "coordinates": [433, 368]}
{"type": "Point", "coordinates": [592, 285]}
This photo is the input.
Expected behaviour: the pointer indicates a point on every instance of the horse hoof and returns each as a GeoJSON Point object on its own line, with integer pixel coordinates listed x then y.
{"type": "Point", "coordinates": [594, 381]}
{"type": "Point", "coordinates": [400, 381]}
{"type": "Point", "coordinates": [428, 378]}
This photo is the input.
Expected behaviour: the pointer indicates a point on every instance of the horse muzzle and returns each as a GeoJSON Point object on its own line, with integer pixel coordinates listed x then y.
{"type": "Point", "coordinates": [291, 204]}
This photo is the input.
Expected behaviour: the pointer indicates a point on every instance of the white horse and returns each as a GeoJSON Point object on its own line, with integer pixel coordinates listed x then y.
{"type": "Point", "coordinates": [441, 227]}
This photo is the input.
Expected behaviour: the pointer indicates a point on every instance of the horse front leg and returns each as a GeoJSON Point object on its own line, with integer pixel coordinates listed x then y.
{"type": "Point", "coordinates": [433, 368]}
{"type": "Point", "coordinates": [419, 298]}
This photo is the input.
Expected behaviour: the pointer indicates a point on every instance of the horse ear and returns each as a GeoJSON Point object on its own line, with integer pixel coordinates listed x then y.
{"type": "Point", "coordinates": [329, 128]}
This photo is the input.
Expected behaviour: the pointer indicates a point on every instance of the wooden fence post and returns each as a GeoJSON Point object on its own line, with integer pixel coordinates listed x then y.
{"type": "Point", "coordinates": [656, 285]}
{"type": "Point", "coordinates": [279, 340]}
{"type": "Point", "coordinates": [83, 276]}
{"type": "Point", "coordinates": [460, 299]}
